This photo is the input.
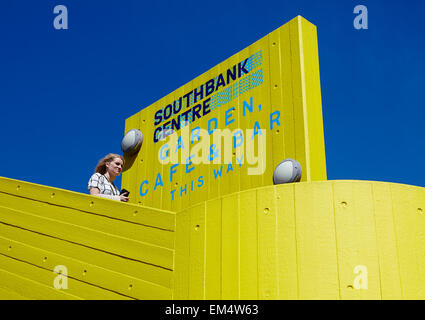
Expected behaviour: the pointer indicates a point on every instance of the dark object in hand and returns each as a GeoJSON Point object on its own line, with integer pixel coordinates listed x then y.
{"type": "Point", "coordinates": [124, 192]}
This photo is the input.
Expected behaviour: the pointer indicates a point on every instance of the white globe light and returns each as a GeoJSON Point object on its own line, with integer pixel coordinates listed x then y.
{"type": "Point", "coordinates": [132, 141]}
{"type": "Point", "coordinates": [289, 170]}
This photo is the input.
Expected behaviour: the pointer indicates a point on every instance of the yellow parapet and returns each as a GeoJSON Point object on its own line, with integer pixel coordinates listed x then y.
{"type": "Point", "coordinates": [111, 250]}
{"type": "Point", "coordinates": [317, 240]}
{"type": "Point", "coordinates": [309, 240]}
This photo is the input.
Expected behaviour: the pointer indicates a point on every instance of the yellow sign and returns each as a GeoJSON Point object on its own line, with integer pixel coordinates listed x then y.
{"type": "Point", "coordinates": [228, 129]}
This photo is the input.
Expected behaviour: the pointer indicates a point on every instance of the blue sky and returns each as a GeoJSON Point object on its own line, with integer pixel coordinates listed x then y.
{"type": "Point", "coordinates": [65, 94]}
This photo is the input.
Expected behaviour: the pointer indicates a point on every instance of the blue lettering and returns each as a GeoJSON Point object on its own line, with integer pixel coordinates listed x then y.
{"type": "Point", "coordinates": [199, 94]}
{"type": "Point", "coordinates": [206, 107]}
{"type": "Point", "coordinates": [229, 167]}
{"type": "Point", "coordinates": [238, 135]}
{"type": "Point", "coordinates": [189, 163]}
{"type": "Point", "coordinates": [201, 180]}
{"type": "Point", "coordinates": [214, 153]}
{"type": "Point", "coordinates": [161, 153]}
{"type": "Point", "coordinates": [231, 75]}
{"type": "Point", "coordinates": [241, 68]}
{"type": "Point", "coordinates": [158, 181]}
{"type": "Point", "coordinates": [167, 114]}
{"type": "Point", "coordinates": [166, 127]}
{"type": "Point", "coordinates": [257, 130]}
{"type": "Point", "coordinates": [218, 173]}
{"type": "Point", "coordinates": [179, 105]}
{"type": "Point", "coordinates": [181, 190]}
{"type": "Point", "coordinates": [173, 171]}
{"type": "Point", "coordinates": [141, 188]}
{"type": "Point", "coordinates": [172, 194]}
{"type": "Point", "coordinates": [239, 160]}
{"type": "Point", "coordinates": [229, 114]}
{"type": "Point", "coordinates": [209, 126]}
{"type": "Point", "coordinates": [272, 120]}
{"type": "Point", "coordinates": [158, 117]}
{"type": "Point", "coordinates": [180, 145]}
{"type": "Point", "coordinates": [220, 82]}
{"type": "Point", "coordinates": [250, 106]}
{"type": "Point", "coordinates": [157, 135]}
{"type": "Point", "coordinates": [209, 87]}
{"type": "Point", "coordinates": [195, 135]}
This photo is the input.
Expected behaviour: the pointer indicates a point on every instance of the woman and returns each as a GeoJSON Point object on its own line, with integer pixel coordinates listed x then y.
{"type": "Point", "coordinates": [101, 183]}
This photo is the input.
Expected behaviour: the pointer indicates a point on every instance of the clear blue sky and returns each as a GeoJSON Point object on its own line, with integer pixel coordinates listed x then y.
{"type": "Point", "coordinates": [65, 94]}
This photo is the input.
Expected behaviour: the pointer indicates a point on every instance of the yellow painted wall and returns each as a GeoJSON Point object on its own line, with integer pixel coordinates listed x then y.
{"type": "Point", "coordinates": [294, 241]}
{"type": "Point", "coordinates": [284, 77]}
{"type": "Point", "coordinates": [304, 241]}
{"type": "Point", "coordinates": [111, 250]}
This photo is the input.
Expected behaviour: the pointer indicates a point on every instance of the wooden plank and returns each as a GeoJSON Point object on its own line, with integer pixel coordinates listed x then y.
{"type": "Point", "coordinates": [132, 268]}
{"type": "Point", "coordinates": [313, 110]}
{"type": "Point", "coordinates": [386, 240]}
{"type": "Point", "coordinates": [38, 283]}
{"type": "Point", "coordinates": [286, 243]}
{"type": "Point", "coordinates": [181, 259]}
{"type": "Point", "coordinates": [230, 248]}
{"type": "Point", "coordinates": [356, 241]}
{"type": "Point", "coordinates": [256, 164]}
{"type": "Point", "coordinates": [249, 249]}
{"type": "Point", "coordinates": [227, 182]}
{"type": "Point", "coordinates": [7, 294]}
{"type": "Point", "coordinates": [16, 286]}
{"type": "Point", "coordinates": [213, 250]}
{"type": "Point", "coordinates": [121, 228]}
{"type": "Point", "coordinates": [88, 273]}
{"type": "Point", "coordinates": [409, 227]}
{"type": "Point", "coordinates": [84, 202]}
{"type": "Point", "coordinates": [278, 101]}
{"type": "Point", "coordinates": [287, 107]}
{"type": "Point", "coordinates": [302, 153]}
{"type": "Point", "coordinates": [367, 241]}
{"type": "Point", "coordinates": [197, 252]}
{"type": "Point", "coordinates": [173, 201]}
{"type": "Point", "coordinates": [316, 241]}
{"type": "Point", "coordinates": [267, 244]}
{"type": "Point", "coordinates": [102, 241]}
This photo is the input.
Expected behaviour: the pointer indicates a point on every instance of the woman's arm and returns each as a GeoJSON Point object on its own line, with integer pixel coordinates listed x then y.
{"type": "Point", "coordinates": [96, 192]}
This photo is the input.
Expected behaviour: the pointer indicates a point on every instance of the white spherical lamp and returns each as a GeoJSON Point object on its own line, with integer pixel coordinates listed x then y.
{"type": "Point", "coordinates": [132, 142]}
{"type": "Point", "coordinates": [289, 170]}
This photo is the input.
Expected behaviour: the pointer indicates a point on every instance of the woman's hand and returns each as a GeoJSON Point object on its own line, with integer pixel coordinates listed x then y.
{"type": "Point", "coordinates": [124, 197]}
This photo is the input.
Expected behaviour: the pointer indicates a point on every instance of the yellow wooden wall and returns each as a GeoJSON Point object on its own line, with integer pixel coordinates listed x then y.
{"type": "Point", "coordinates": [291, 85]}
{"type": "Point", "coordinates": [111, 250]}
{"type": "Point", "coordinates": [294, 241]}
{"type": "Point", "coordinates": [304, 241]}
